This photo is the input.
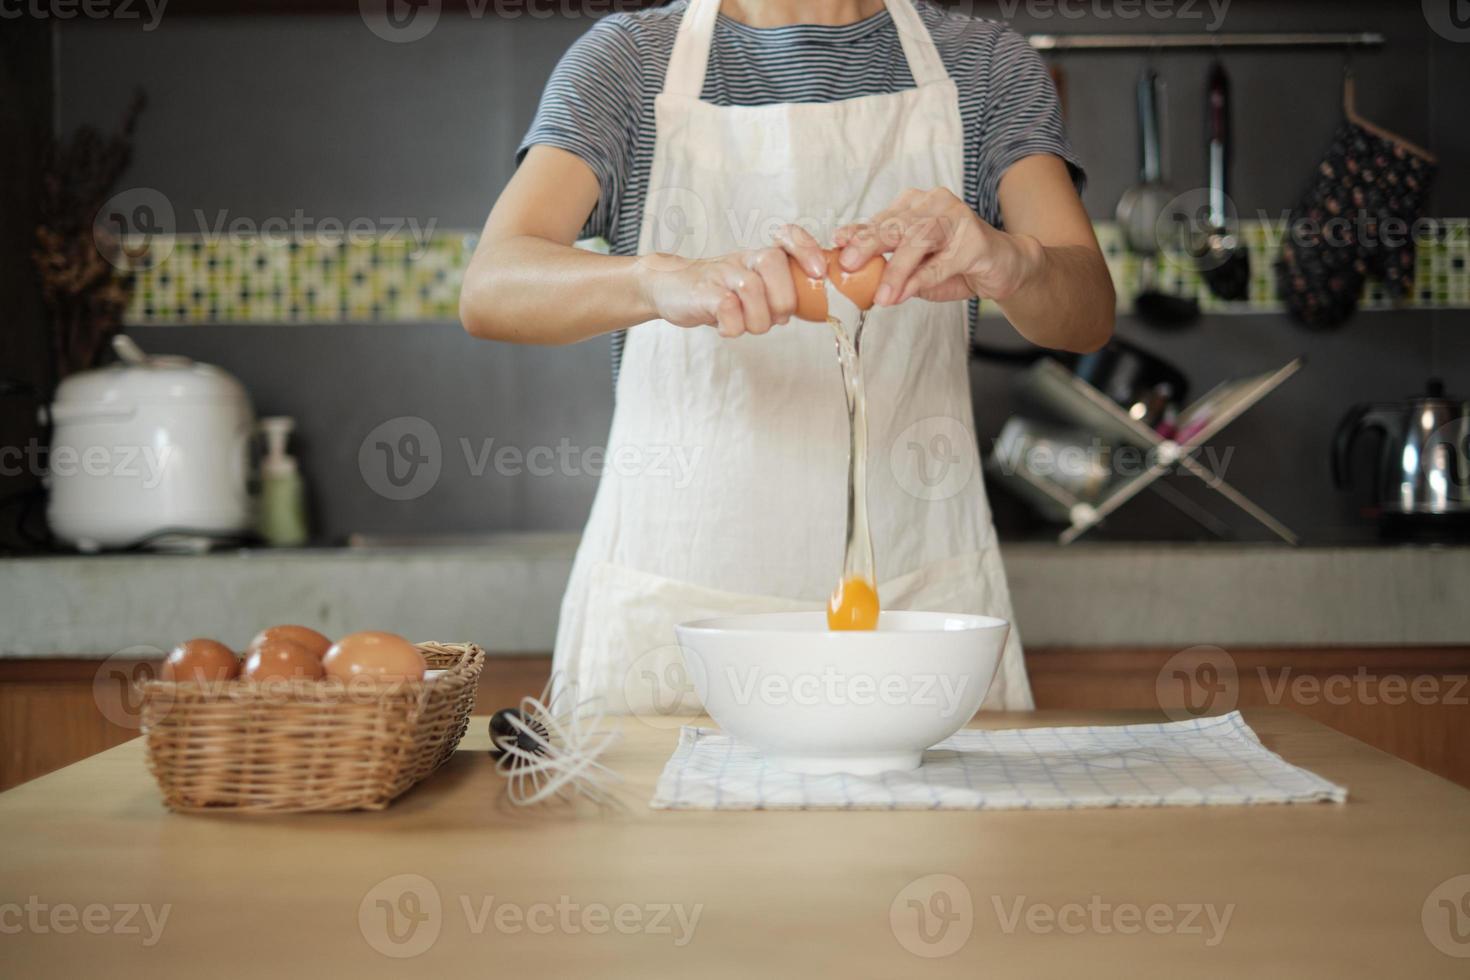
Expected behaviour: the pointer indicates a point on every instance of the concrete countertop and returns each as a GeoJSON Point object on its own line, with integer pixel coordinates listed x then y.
{"type": "Point", "coordinates": [505, 594]}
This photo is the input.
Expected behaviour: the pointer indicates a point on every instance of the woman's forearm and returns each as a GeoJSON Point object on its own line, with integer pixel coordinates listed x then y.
{"type": "Point", "coordinates": [1067, 300]}
{"type": "Point", "coordinates": [528, 290]}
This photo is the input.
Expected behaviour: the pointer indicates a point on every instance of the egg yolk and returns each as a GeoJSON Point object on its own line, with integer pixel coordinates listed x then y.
{"type": "Point", "coordinates": [853, 606]}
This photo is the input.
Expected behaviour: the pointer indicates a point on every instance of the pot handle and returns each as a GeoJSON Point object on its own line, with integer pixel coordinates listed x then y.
{"type": "Point", "coordinates": [1383, 418]}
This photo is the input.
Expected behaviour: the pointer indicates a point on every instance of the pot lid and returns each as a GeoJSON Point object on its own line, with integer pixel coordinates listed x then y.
{"type": "Point", "coordinates": [156, 379]}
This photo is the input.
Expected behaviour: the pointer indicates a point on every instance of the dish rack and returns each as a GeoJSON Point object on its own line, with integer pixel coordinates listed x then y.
{"type": "Point", "coordinates": [306, 745]}
{"type": "Point", "coordinates": [1073, 400]}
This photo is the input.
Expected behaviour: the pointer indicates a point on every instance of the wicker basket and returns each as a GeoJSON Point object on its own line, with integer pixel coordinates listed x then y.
{"type": "Point", "coordinates": [306, 745]}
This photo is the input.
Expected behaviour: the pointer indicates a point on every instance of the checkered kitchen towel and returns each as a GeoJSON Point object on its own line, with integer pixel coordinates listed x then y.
{"type": "Point", "coordinates": [1203, 762]}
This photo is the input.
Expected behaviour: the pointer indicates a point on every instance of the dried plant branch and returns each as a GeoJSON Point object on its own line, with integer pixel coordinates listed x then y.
{"type": "Point", "coordinates": [83, 289]}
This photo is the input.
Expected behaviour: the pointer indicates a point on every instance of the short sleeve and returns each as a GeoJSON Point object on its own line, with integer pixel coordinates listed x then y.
{"type": "Point", "coordinates": [590, 108]}
{"type": "Point", "coordinates": [1021, 117]}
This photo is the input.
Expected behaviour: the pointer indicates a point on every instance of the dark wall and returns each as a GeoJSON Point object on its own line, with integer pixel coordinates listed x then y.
{"type": "Point", "coordinates": [25, 368]}
{"type": "Point", "coordinates": [262, 117]}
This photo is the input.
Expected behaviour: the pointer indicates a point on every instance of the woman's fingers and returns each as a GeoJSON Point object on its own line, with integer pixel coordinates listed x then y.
{"type": "Point", "coordinates": [847, 234]}
{"type": "Point", "coordinates": [775, 274]}
{"type": "Point", "coordinates": [946, 291]}
{"type": "Point", "coordinates": [883, 232]}
{"type": "Point", "coordinates": [921, 239]}
{"type": "Point", "coordinates": [728, 317]}
{"type": "Point", "coordinates": [755, 314]}
{"type": "Point", "coordinates": [910, 200]}
{"type": "Point", "coordinates": [861, 243]}
{"type": "Point", "coordinates": [799, 243]}
{"type": "Point", "coordinates": [935, 281]}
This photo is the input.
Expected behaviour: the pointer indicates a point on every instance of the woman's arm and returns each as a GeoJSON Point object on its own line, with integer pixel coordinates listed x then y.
{"type": "Point", "coordinates": [527, 284]}
{"type": "Point", "coordinates": [1066, 302]}
{"type": "Point", "coordinates": [1045, 271]}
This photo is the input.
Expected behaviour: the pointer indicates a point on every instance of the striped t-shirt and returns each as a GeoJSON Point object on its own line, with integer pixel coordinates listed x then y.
{"type": "Point", "coordinates": [598, 103]}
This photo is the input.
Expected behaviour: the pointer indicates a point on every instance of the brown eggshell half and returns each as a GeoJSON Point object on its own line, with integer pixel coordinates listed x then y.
{"type": "Point", "coordinates": [860, 286]}
{"type": "Point", "coordinates": [811, 294]}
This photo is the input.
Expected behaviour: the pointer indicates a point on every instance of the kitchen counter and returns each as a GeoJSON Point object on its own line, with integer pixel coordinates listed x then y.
{"type": "Point", "coordinates": [472, 886]}
{"type": "Point", "coordinates": [505, 594]}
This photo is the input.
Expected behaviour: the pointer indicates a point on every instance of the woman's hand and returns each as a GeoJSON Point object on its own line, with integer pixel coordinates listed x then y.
{"type": "Point", "coordinates": [941, 251]}
{"type": "Point", "coordinates": [743, 292]}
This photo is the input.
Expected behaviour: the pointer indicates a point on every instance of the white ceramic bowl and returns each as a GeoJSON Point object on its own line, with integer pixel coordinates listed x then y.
{"type": "Point", "coordinates": [813, 700]}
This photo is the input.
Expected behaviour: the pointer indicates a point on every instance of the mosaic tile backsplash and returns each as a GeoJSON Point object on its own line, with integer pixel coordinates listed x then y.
{"type": "Point", "coordinates": [191, 280]}
{"type": "Point", "coordinates": [385, 280]}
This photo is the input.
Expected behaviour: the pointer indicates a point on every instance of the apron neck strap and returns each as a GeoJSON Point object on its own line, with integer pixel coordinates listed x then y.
{"type": "Point", "coordinates": [918, 47]}
{"type": "Point", "coordinates": [691, 46]}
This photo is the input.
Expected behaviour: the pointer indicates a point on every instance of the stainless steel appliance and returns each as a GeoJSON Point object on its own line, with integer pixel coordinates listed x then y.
{"type": "Point", "coordinates": [1424, 459]}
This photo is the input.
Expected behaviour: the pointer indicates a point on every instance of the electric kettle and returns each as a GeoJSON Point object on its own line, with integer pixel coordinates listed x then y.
{"type": "Point", "coordinates": [1424, 459]}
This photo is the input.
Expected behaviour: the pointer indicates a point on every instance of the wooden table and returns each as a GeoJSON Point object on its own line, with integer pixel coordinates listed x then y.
{"type": "Point", "coordinates": [1311, 890]}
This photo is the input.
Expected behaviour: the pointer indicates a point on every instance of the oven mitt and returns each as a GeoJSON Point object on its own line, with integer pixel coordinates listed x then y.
{"type": "Point", "coordinates": [1320, 276]}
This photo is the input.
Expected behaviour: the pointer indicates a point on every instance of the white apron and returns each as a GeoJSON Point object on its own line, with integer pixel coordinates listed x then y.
{"type": "Point", "coordinates": [724, 486]}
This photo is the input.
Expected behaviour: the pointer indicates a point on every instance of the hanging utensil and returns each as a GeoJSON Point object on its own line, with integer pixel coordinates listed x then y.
{"type": "Point", "coordinates": [1141, 204]}
{"type": "Point", "coordinates": [1140, 209]}
{"type": "Point", "coordinates": [1224, 261]}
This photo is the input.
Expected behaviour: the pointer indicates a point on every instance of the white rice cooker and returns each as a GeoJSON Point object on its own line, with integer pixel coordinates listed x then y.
{"type": "Point", "coordinates": [153, 452]}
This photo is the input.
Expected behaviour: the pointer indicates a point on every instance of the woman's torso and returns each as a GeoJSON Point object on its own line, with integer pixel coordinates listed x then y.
{"type": "Point", "coordinates": [600, 102]}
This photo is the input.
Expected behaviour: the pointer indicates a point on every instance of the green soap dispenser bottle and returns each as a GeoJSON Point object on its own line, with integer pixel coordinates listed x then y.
{"type": "Point", "coordinates": [282, 521]}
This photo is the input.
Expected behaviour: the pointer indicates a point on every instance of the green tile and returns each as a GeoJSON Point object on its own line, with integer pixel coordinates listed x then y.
{"type": "Point", "coordinates": [399, 279]}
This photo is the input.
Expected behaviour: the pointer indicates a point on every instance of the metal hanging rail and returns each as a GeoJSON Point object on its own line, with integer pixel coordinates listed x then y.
{"type": "Point", "coordinates": [1150, 42]}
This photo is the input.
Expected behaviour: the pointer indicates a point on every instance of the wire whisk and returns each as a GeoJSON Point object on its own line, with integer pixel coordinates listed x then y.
{"type": "Point", "coordinates": [550, 746]}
